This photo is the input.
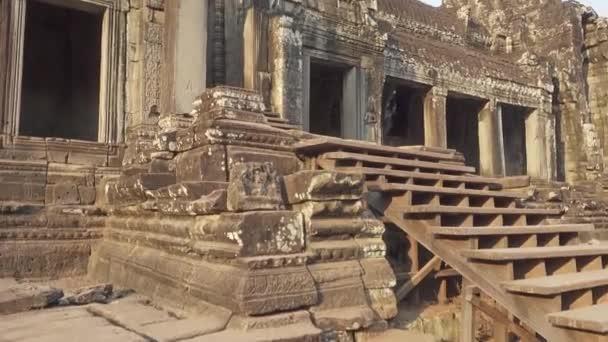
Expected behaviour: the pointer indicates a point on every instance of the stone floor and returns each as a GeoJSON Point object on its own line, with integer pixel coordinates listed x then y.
{"type": "Point", "coordinates": [129, 319]}
{"type": "Point", "coordinates": [135, 318]}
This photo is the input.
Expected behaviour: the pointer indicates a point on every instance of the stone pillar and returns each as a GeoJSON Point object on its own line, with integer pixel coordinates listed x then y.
{"type": "Point", "coordinates": [255, 49]}
{"type": "Point", "coordinates": [491, 156]}
{"type": "Point", "coordinates": [184, 73]}
{"type": "Point", "coordinates": [287, 57]}
{"type": "Point", "coordinates": [536, 145]}
{"type": "Point", "coordinates": [373, 68]}
{"type": "Point", "coordinates": [435, 131]}
{"type": "Point", "coordinates": [4, 49]}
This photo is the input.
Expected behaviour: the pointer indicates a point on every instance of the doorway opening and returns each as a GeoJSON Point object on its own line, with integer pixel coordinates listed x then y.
{"type": "Point", "coordinates": [403, 113]}
{"type": "Point", "coordinates": [326, 108]}
{"type": "Point", "coordinates": [514, 137]}
{"type": "Point", "coordinates": [61, 71]}
{"type": "Point", "coordinates": [462, 121]}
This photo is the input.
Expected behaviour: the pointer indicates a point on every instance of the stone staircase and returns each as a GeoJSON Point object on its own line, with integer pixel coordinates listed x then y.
{"type": "Point", "coordinates": [535, 268]}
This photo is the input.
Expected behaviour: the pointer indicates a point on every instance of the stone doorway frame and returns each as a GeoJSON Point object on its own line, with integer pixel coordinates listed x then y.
{"type": "Point", "coordinates": [12, 34]}
{"type": "Point", "coordinates": [353, 90]}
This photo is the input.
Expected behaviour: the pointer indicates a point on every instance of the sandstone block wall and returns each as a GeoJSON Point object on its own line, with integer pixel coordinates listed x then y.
{"type": "Point", "coordinates": [215, 211]}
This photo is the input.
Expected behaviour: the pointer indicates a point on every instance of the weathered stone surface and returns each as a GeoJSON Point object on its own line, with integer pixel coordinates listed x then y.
{"type": "Point", "coordinates": [254, 186]}
{"type": "Point", "coordinates": [24, 297]}
{"type": "Point", "coordinates": [229, 98]}
{"type": "Point", "coordinates": [345, 226]}
{"type": "Point", "coordinates": [26, 192]}
{"type": "Point", "coordinates": [323, 186]}
{"type": "Point", "coordinates": [63, 324]}
{"type": "Point", "coordinates": [284, 162]}
{"type": "Point", "coordinates": [31, 172]}
{"type": "Point", "coordinates": [255, 233]}
{"type": "Point", "coordinates": [377, 274]}
{"type": "Point", "coordinates": [215, 202]}
{"type": "Point", "coordinates": [188, 190]}
{"type": "Point", "coordinates": [393, 335]}
{"type": "Point", "coordinates": [160, 325]}
{"type": "Point", "coordinates": [133, 189]}
{"type": "Point", "coordinates": [206, 163]}
{"type": "Point", "coordinates": [92, 294]}
{"type": "Point", "coordinates": [161, 166]}
{"type": "Point", "coordinates": [236, 133]}
{"type": "Point", "coordinates": [329, 209]}
{"type": "Point", "coordinates": [62, 194]}
{"type": "Point", "coordinates": [383, 302]}
{"type": "Point", "coordinates": [339, 284]}
{"type": "Point", "coordinates": [44, 258]}
{"type": "Point", "coordinates": [67, 173]}
{"type": "Point", "coordinates": [347, 318]}
{"type": "Point", "coordinates": [193, 284]}
{"type": "Point", "coordinates": [283, 327]}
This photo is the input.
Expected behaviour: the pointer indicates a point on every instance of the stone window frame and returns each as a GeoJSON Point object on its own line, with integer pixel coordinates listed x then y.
{"type": "Point", "coordinates": [111, 86]}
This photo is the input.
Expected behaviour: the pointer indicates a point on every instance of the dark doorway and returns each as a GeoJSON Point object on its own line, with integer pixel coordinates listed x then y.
{"type": "Point", "coordinates": [326, 98]}
{"type": "Point", "coordinates": [462, 121]}
{"type": "Point", "coordinates": [403, 114]}
{"type": "Point", "coordinates": [514, 136]}
{"type": "Point", "coordinates": [61, 68]}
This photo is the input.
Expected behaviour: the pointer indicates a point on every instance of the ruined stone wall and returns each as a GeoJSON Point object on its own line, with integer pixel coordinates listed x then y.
{"type": "Point", "coordinates": [554, 32]}
{"type": "Point", "coordinates": [596, 69]}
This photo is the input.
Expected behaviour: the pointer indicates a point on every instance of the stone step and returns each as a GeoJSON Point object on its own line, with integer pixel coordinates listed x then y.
{"type": "Point", "coordinates": [443, 209]}
{"type": "Point", "coordinates": [324, 144]}
{"type": "Point", "coordinates": [512, 230]}
{"type": "Point", "coordinates": [395, 187]}
{"type": "Point", "coordinates": [557, 284]}
{"type": "Point", "coordinates": [389, 161]}
{"type": "Point", "coordinates": [492, 183]}
{"type": "Point", "coordinates": [592, 318]}
{"type": "Point", "coordinates": [510, 254]}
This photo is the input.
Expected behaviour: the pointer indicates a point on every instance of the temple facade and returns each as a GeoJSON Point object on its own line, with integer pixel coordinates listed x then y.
{"type": "Point", "coordinates": [240, 158]}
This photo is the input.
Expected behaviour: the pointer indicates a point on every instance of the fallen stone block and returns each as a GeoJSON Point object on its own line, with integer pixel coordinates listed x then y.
{"type": "Point", "coordinates": [213, 203]}
{"type": "Point", "coordinates": [323, 186]}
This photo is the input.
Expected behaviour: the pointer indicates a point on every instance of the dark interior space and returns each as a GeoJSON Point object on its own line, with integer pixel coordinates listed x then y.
{"type": "Point", "coordinates": [514, 136]}
{"type": "Point", "coordinates": [403, 114]}
{"type": "Point", "coordinates": [326, 96]}
{"type": "Point", "coordinates": [462, 121]}
{"type": "Point", "coordinates": [61, 66]}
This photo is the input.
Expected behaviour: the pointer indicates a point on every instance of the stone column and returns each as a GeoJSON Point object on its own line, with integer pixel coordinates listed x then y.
{"type": "Point", "coordinates": [255, 47]}
{"type": "Point", "coordinates": [491, 155]}
{"type": "Point", "coordinates": [536, 145]}
{"type": "Point", "coordinates": [184, 73]}
{"type": "Point", "coordinates": [435, 131]}
{"type": "Point", "coordinates": [286, 55]}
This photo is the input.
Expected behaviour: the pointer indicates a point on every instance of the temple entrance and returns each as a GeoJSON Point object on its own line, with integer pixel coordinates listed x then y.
{"type": "Point", "coordinates": [328, 83]}
{"type": "Point", "coordinates": [403, 113]}
{"type": "Point", "coordinates": [514, 136]}
{"type": "Point", "coordinates": [462, 121]}
{"type": "Point", "coordinates": [61, 71]}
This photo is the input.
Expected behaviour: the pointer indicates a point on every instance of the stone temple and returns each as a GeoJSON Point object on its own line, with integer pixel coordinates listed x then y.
{"type": "Point", "coordinates": [303, 170]}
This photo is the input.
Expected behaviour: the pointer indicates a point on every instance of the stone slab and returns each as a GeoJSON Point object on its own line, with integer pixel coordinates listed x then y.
{"type": "Point", "coordinates": [592, 318]}
{"type": "Point", "coordinates": [25, 297]}
{"type": "Point", "coordinates": [323, 186]}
